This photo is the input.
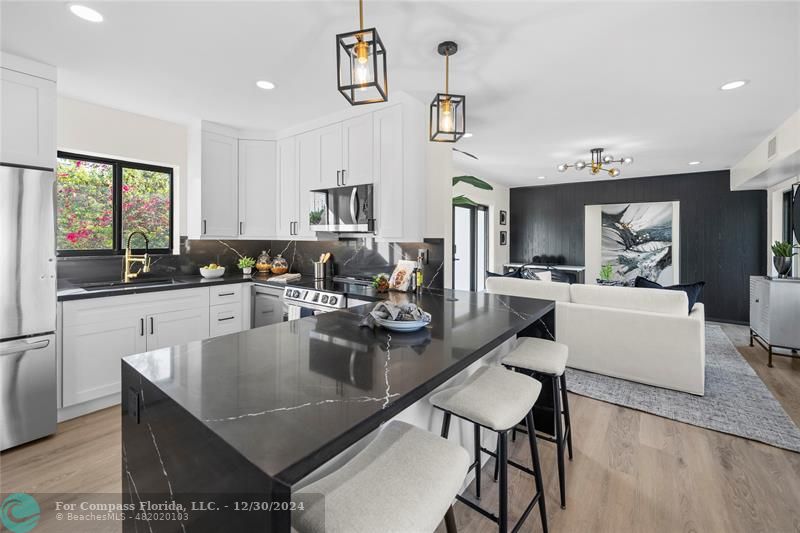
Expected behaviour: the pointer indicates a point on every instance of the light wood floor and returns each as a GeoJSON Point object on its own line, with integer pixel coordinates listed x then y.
{"type": "Point", "coordinates": [632, 471]}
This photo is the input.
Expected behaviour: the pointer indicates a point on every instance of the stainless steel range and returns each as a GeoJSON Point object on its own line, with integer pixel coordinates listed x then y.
{"type": "Point", "coordinates": [313, 300]}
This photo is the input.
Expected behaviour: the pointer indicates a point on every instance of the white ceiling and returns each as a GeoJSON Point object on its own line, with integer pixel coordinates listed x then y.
{"type": "Point", "coordinates": [545, 82]}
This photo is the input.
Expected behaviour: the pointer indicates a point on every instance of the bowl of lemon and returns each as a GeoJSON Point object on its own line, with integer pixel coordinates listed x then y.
{"type": "Point", "coordinates": [212, 271]}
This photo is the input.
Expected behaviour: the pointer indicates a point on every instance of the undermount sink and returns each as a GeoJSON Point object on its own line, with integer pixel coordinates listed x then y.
{"type": "Point", "coordinates": [148, 282]}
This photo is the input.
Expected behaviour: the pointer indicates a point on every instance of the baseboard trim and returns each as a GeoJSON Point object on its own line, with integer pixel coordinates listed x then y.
{"type": "Point", "coordinates": [74, 411]}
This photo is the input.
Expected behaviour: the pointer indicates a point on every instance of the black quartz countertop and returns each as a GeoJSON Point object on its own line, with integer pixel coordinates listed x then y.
{"type": "Point", "coordinates": [290, 396]}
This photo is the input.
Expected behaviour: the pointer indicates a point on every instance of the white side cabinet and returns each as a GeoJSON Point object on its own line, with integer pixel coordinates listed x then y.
{"type": "Point", "coordinates": [774, 312]}
{"type": "Point", "coordinates": [257, 188]}
{"type": "Point", "coordinates": [219, 182]}
{"type": "Point", "coordinates": [27, 113]}
{"type": "Point", "coordinates": [96, 333]}
{"type": "Point", "coordinates": [287, 214]}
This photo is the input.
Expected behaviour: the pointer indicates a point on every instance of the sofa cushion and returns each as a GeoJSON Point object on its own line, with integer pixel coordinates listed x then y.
{"type": "Point", "coordinates": [651, 300]}
{"type": "Point", "coordinates": [527, 288]}
{"type": "Point", "coordinates": [693, 290]}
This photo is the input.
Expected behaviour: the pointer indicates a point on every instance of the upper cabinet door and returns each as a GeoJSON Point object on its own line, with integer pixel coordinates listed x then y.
{"type": "Point", "coordinates": [389, 195]}
{"type": "Point", "coordinates": [330, 156]}
{"type": "Point", "coordinates": [288, 189]}
{"type": "Point", "coordinates": [28, 118]}
{"type": "Point", "coordinates": [308, 173]}
{"type": "Point", "coordinates": [220, 197]}
{"type": "Point", "coordinates": [257, 188]}
{"type": "Point", "coordinates": [357, 151]}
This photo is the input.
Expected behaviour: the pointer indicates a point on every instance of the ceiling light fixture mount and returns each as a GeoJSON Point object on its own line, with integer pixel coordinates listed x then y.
{"type": "Point", "coordinates": [361, 64]}
{"type": "Point", "coordinates": [448, 119]}
{"type": "Point", "coordinates": [597, 163]}
{"type": "Point", "coordinates": [86, 13]}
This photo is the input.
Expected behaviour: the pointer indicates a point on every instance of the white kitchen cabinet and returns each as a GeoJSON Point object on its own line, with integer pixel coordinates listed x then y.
{"type": "Point", "coordinates": [357, 150]}
{"type": "Point", "coordinates": [389, 177]}
{"type": "Point", "coordinates": [330, 156]}
{"type": "Point", "coordinates": [219, 182]}
{"type": "Point", "coordinates": [177, 327]}
{"type": "Point", "coordinates": [257, 188]}
{"type": "Point", "coordinates": [91, 355]}
{"type": "Point", "coordinates": [225, 319]}
{"type": "Point", "coordinates": [27, 115]}
{"type": "Point", "coordinates": [308, 174]}
{"type": "Point", "coordinates": [288, 189]}
{"type": "Point", "coordinates": [97, 333]}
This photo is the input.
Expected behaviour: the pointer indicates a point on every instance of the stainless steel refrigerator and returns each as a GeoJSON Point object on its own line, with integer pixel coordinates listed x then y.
{"type": "Point", "coordinates": [28, 300]}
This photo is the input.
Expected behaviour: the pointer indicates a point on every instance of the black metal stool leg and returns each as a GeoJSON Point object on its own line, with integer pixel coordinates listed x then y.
{"type": "Point", "coordinates": [567, 421]}
{"type": "Point", "coordinates": [537, 467]}
{"type": "Point", "coordinates": [446, 425]}
{"type": "Point", "coordinates": [496, 461]}
{"type": "Point", "coordinates": [502, 454]}
{"type": "Point", "coordinates": [450, 521]}
{"type": "Point", "coordinates": [559, 440]}
{"type": "Point", "coordinates": [477, 461]}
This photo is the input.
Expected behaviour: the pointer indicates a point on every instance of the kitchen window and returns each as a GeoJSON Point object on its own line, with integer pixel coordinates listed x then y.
{"type": "Point", "coordinates": [101, 201]}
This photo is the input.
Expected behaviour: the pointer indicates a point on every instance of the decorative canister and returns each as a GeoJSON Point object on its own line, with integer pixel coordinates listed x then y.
{"type": "Point", "coordinates": [280, 265]}
{"type": "Point", "coordinates": [264, 262]}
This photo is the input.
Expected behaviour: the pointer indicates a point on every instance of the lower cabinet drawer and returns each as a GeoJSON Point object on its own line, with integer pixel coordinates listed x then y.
{"type": "Point", "coordinates": [225, 318]}
{"type": "Point", "coordinates": [226, 294]}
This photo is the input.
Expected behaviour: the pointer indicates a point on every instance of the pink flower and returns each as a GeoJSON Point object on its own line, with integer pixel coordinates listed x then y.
{"type": "Point", "coordinates": [126, 188]}
{"type": "Point", "coordinates": [72, 237]}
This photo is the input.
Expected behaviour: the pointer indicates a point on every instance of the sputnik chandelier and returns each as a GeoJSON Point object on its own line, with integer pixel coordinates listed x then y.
{"type": "Point", "coordinates": [598, 163]}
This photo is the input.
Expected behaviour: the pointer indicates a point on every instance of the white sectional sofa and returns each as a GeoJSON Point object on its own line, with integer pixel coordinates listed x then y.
{"type": "Point", "coordinates": [643, 335]}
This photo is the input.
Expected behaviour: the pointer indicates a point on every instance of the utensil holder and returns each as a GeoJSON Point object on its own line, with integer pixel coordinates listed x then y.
{"type": "Point", "coordinates": [320, 270]}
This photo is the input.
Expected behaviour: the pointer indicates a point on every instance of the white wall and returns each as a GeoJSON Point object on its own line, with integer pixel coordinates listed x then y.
{"type": "Point", "coordinates": [775, 221]}
{"type": "Point", "coordinates": [96, 130]}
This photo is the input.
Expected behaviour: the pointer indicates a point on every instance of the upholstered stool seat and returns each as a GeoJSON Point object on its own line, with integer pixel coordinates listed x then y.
{"type": "Point", "coordinates": [546, 360]}
{"type": "Point", "coordinates": [496, 399]}
{"type": "Point", "coordinates": [539, 355]}
{"type": "Point", "coordinates": [404, 480]}
{"type": "Point", "coordinates": [491, 397]}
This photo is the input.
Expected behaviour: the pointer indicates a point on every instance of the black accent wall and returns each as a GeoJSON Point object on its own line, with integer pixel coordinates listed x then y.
{"type": "Point", "coordinates": [723, 234]}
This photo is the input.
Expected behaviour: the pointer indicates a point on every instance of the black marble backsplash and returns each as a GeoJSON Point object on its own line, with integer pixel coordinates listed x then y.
{"type": "Point", "coordinates": [350, 257]}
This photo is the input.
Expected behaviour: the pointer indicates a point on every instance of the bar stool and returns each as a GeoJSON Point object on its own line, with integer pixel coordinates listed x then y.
{"type": "Point", "coordinates": [497, 400]}
{"type": "Point", "coordinates": [404, 480]}
{"type": "Point", "coordinates": [545, 359]}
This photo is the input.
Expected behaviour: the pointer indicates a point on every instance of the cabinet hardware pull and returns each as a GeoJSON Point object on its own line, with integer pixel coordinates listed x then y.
{"type": "Point", "coordinates": [141, 327]}
{"type": "Point", "coordinates": [204, 226]}
{"type": "Point", "coordinates": [344, 182]}
{"type": "Point", "coordinates": [338, 177]}
{"type": "Point", "coordinates": [151, 325]}
{"type": "Point", "coordinates": [226, 294]}
{"type": "Point", "coordinates": [227, 318]}
{"type": "Point", "coordinates": [241, 231]}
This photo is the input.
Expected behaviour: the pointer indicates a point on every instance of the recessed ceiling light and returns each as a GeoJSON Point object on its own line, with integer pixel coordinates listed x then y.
{"type": "Point", "coordinates": [263, 84]}
{"type": "Point", "coordinates": [86, 13]}
{"type": "Point", "coordinates": [694, 162]}
{"type": "Point", "coordinates": [731, 85]}
{"type": "Point", "coordinates": [541, 177]}
{"type": "Point", "coordinates": [467, 135]}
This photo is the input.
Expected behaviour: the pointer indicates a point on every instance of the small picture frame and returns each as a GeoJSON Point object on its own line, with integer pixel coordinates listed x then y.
{"type": "Point", "coordinates": [503, 238]}
{"type": "Point", "coordinates": [503, 217]}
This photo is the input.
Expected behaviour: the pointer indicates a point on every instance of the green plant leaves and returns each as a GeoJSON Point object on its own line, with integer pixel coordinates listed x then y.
{"type": "Point", "coordinates": [463, 200]}
{"type": "Point", "coordinates": [783, 249]}
{"type": "Point", "coordinates": [472, 180]}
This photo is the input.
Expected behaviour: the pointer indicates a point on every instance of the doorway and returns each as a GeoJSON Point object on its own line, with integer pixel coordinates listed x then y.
{"type": "Point", "coordinates": [470, 247]}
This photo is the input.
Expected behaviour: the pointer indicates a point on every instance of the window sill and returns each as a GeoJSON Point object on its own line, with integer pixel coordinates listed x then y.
{"type": "Point", "coordinates": [107, 257]}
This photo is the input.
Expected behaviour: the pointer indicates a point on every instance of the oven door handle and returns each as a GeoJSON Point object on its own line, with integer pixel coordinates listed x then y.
{"type": "Point", "coordinates": [354, 205]}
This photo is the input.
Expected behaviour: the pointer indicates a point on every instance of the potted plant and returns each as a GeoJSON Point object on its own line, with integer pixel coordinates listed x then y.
{"type": "Point", "coordinates": [783, 253]}
{"type": "Point", "coordinates": [246, 264]}
{"type": "Point", "coordinates": [606, 272]}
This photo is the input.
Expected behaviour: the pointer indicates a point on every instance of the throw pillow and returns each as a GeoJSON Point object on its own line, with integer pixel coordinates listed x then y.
{"type": "Point", "coordinates": [694, 291]}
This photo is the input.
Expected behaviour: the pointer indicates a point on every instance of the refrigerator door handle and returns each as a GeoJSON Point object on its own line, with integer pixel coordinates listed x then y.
{"type": "Point", "coordinates": [23, 346]}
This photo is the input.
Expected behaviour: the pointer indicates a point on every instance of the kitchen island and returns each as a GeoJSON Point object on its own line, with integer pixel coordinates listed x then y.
{"type": "Point", "coordinates": [216, 427]}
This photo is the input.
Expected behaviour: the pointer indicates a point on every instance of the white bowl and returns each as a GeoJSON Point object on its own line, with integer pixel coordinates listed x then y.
{"type": "Point", "coordinates": [401, 325]}
{"type": "Point", "coordinates": [211, 274]}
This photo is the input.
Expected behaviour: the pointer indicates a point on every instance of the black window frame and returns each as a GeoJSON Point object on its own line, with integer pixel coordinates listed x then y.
{"type": "Point", "coordinates": [116, 207]}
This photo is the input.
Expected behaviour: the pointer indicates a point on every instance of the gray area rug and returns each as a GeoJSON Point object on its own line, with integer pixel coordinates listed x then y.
{"type": "Point", "coordinates": [736, 400]}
